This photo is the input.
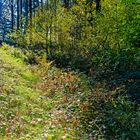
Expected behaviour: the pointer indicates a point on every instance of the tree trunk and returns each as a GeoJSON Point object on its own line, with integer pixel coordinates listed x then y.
{"type": "Point", "coordinates": [18, 14]}
{"type": "Point", "coordinates": [12, 15]}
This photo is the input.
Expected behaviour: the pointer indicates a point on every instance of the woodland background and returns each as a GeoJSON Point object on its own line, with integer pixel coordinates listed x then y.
{"type": "Point", "coordinates": [70, 69]}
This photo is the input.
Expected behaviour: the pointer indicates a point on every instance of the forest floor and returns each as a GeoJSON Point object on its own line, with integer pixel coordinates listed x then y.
{"type": "Point", "coordinates": [33, 99]}
{"type": "Point", "coordinates": [41, 102]}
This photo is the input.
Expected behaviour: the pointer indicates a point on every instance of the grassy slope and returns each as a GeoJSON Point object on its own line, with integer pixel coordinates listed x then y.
{"type": "Point", "coordinates": [38, 102]}
{"type": "Point", "coordinates": [20, 102]}
{"type": "Point", "coordinates": [29, 104]}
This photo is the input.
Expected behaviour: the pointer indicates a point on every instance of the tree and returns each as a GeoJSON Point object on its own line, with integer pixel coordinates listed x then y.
{"type": "Point", "coordinates": [18, 15]}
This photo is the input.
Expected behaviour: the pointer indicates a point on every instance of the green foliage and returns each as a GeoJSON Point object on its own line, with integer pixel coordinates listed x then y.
{"type": "Point", "coordinates": [44, 102]}
{"type": "Point", "coordinates": [110, 117]}
{"type": "Point", "coordinates": [84, 39]}
{"type": "Point", "coordinates": [54, 104]}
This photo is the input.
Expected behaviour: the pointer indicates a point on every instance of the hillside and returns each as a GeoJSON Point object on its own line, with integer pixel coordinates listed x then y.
{"type": "Point", "coordinates": [69, 70]}
{"type": "Point", "coordinates": [43, 102]}
{"type": "Point", "coordinates": [33, 106]}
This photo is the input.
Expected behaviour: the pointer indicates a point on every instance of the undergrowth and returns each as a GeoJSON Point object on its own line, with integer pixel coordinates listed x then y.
{"type": "Point", "coordinates": [43, 102]}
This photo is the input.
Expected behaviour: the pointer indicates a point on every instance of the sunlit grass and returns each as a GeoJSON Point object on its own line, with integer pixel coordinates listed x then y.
{"type": "Point", "coordinates": [43, 102]}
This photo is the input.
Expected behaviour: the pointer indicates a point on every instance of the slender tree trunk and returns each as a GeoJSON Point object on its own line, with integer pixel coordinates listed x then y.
{"type": "Point", "coordinates": [30, 9]}
{"type": "Point", "coordinates": [55, 23]}
{"type": "Point", "coordinates": [12, 15]}
{"type": "Point", "coordinates": [18, 14]}
{"type": "Point", "coordinates": [31, 22]}
{"type": "Point", "coordinates": [1, 10]}
{"type": "Point", "coordinates": [27, 11]}
{"type": "Point", "coordinates": [41, 4]}
{"type": "Point", "coordinates": [21, 14]}
{"type": "Point", "coordinates": [47, 32]}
